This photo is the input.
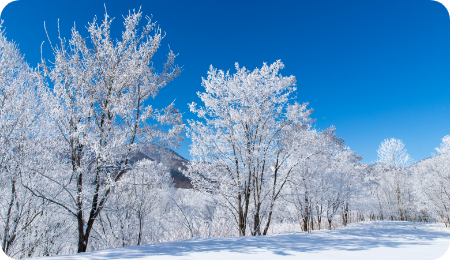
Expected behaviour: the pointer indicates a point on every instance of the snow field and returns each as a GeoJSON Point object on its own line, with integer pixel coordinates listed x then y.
{"type": "Point", "coordinates": [365, 240]}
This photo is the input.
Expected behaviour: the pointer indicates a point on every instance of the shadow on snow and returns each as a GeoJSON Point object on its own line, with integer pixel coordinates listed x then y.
{"type": "Point", "coordinates": [360, 236]}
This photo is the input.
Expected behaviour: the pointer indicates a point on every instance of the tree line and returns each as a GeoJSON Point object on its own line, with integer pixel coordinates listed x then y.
{"type": "Point", "coordinates": [71, 131]}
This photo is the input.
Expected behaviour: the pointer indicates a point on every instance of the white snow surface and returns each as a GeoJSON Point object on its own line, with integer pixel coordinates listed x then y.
{"type": "Point", "coordinates": [365, 240]}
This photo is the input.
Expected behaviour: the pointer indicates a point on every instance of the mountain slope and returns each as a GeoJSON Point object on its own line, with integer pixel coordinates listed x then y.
{"type": "Point", "coordinates": [168, 157]}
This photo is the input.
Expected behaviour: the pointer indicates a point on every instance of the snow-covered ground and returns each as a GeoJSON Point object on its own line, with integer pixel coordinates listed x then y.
{"type": "Point", "coordinates": [365, 240]}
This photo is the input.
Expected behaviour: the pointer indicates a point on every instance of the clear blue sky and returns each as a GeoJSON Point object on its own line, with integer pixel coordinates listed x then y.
{"type": "Point", "coordinates": [373, 69]}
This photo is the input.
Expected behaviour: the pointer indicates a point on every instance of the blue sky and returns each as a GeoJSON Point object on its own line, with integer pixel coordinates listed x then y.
{"type": "Point", "coordinates": [373, 69]}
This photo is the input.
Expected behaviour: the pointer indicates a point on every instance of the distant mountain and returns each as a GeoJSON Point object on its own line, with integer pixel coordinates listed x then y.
{"type": "Point", "coordinates": [166, 156]}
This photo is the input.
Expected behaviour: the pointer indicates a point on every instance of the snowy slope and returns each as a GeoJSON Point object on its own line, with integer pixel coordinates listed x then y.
{"type": "Point", "coordinates": [168, 157]}
{"type": "Point", "coordinates": [365, 240]}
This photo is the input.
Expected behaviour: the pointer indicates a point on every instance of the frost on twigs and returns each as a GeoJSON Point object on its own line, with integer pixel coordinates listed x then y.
{"type": "Point", "coordinates": [100, 110]}
{"type": "Point", "coordinates": [393, 152]}
{"type": "Point", "coordinates": [22, 94]}
{"type": "Point", "coordinates": [445, 145]}
{"type": "Point", "coordinates": [251, 141]}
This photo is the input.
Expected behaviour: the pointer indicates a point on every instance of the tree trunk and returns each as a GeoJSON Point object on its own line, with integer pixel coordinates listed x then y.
{"type": "Point", "coordinates": [319, 215]}
{"type": "Point", "coordinates": [140, 228]}
{"type": "Point", "coordinates": [266, 229]}
{"type": "Point", "coordinates": [399, 201]}
{"type": "Point", "coordinates": [82, 243]}
{"type": "Point", "coordinates": [305, 215]}
{"type": "Point", "coordinates": [345, 214]}
{"type": "Point", "coordinates": [243, 211]}
{"type": "Point", "coordinates": [256, 223]}
{"type": "Point", "coordinates": [6, 240]}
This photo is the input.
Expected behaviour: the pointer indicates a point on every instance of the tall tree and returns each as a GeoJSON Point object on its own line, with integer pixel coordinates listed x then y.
{"type": "Point", "coordinates": [100, 109]}
{"type": "Point", "coordinates": [395, 180]}
{"type": "Point", "coordinates": [242, 147]}
{"type": "Point", "coordinates": [324, 184]}
{"type": "Point", "coordinates": [21, 94]}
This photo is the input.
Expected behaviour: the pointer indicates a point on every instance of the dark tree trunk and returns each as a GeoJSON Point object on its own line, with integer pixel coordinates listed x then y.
{"type": "Point", "coordinates": [257, 221]}
{"type": "Point", "coordinates": [6, 239]}
{"type": "Point", "coordinates": [345, 214]}
{"type": "Point", "coordinates": [306, 215]}
{"type": "Point", "coordinates": [243, 211]}
{"type": "Point", "coordinates": [82, 243]}
{"type": "Point", "coordinates": [266, 229]}
{"type": "Point", "coordinates": [140, 228]}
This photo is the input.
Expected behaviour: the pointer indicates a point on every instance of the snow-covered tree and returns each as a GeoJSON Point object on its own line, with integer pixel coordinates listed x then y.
{"type": "Point", "coordinates": [445, 145]}
{"type": "Point", "coordinates": [326, 183]}
{"type": "Point", "coordinates": [242, 147]}
{"type": "Point", "coordinates": [132, 202]}
{"type": "Point", "coordinates": [100, 111]}
{"type": "Point", "coordinates": [21, 97]}
{"type": "Point", "coordinates": [395, 189]}
{"type": "Point", "coordinates": [432, 183]}
{"type": "Point", "coordinates": [393, 152]}
{"type": "Point", "coordinates": [346, 183]}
